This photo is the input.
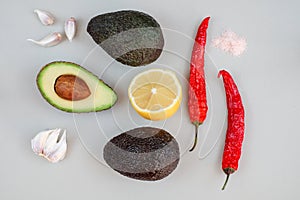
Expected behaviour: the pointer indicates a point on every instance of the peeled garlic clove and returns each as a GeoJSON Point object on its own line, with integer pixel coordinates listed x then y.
{"type": "Point", "coordinates": [48, 145]}
{"type": "Point", "coordinates": [48, 41]}
{"type": "Point", "coordinates": [70, 28]}
{"type": "Point", "coordinates": [39, 141]}
{"type": "Point", "coordinates": [45, 17]}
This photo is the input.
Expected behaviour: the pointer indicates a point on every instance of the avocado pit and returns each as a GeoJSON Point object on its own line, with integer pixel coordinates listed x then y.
{"type": "Point", "coordinates": [71, 87]}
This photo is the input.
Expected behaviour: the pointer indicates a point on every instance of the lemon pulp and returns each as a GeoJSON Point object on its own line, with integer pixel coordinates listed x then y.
{"type": "Point", "coordinates": [155, 94]}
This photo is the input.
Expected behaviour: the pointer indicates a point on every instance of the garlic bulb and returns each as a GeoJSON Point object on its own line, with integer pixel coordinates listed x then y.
{"type": "Point", "coordinates": [48, 41]}
{"type": "Point", "coordinates": [45, 17]}
{"type": "Point", "coordinates": [48, 145]}
{"type": "Point", "coordinates": [70, 28]}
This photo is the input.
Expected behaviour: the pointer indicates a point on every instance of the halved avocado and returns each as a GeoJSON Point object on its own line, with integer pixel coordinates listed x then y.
{"type": "Point", "coordinates": [71, 88]}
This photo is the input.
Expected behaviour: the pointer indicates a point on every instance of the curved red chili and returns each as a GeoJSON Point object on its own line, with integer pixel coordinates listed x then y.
{"type": "Point", "coordinates": [235, 126]}
{"type": "Point", "coordinates": [197, 102]}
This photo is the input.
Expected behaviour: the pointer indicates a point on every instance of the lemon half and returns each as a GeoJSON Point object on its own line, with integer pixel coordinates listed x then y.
{"type": "Point", "coordinates": [155, 94]}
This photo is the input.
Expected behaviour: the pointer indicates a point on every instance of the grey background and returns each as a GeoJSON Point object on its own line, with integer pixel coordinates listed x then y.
{"type": "Point", "coordinates": [267, 75]}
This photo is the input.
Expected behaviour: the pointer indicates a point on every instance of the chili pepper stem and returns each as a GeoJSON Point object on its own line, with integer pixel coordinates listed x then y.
{"type": "Point", "coordinates": [196, 137]}
{"type": "Point", "coordinates": [227, 178]}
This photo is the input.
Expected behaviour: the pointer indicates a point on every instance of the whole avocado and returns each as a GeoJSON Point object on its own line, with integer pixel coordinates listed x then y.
{"type": "Point", "coordinates": [131, 37]}
{"type": "Point", "coordinates": [144, 153]}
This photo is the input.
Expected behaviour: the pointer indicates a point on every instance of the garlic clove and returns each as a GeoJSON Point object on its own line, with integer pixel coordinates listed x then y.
{"type": "Point", "coordinates": [48, 145]}
{"type": "Point", "coordinates": [51, 142]}
{"type": "Point", "coordinates": [70, 28]}
{"type": "Point", "coordinates": [58, 155]}
{"type": "Point", "coordinates": [48, 41]}
{"type": "Point", "coordinates": [45, 17]}
{"type": "Point", "coordinates": [39, 141]}
{"type": "Point", "coordinates": [60, 150]}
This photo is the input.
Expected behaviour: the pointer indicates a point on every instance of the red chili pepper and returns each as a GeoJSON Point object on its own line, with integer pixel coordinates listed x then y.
{"type": "Point", "coordinates": [235, 126]}
{"type": "Point", "coordinates": [197, 102]}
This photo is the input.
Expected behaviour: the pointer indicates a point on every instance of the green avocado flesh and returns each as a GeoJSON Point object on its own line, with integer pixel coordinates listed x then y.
{"type": "Point", "coordinates": [71, 88]}
{"type": "Point", "coordinates": [131, 37]}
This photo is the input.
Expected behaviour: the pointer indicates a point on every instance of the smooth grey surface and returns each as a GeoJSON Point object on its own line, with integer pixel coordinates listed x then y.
{"type": "Point", "coordinates": [267, 75]}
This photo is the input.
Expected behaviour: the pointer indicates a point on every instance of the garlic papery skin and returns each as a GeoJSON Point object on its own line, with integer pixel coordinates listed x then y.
{"type": "Point", "coordinates": [70, 28]}
{"type": "Point", "coordinates": [48, 41]}
{"type": "Point", "coordinates": [45, 17]}
{"type": "Point", "coordinates": [48, 145]}
{"type": "Point", "coordinates": [39, 141]}
{"type": "Point", "coordinates": [59, 151]}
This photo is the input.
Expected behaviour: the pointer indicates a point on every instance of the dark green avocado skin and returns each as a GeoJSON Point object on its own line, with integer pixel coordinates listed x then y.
{"type": "Point", "coordinates": [144, 153]}
{"type": "Point", "coordinates": [131, 37]}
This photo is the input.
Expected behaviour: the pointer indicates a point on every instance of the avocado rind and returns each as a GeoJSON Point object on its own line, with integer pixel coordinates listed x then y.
{"type": "Point", "coordinates": [40, 80]}
{"type": "Point", "coordinates": [144, 153]}
{"type": "Point", "coordinates": [131, 37]}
